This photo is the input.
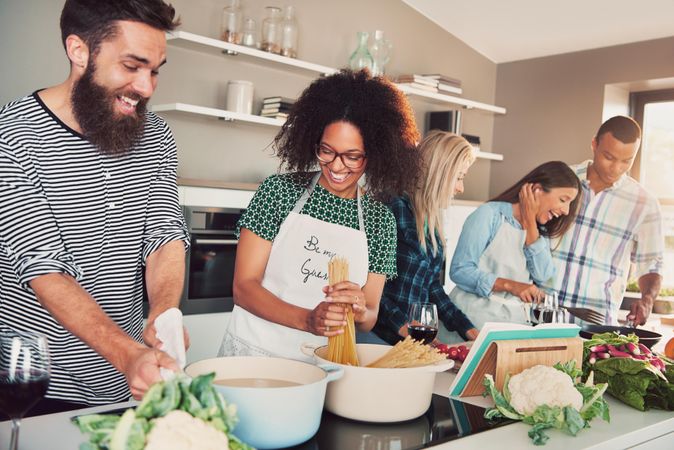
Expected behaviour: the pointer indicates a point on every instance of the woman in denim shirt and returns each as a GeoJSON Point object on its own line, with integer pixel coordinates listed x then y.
{"type": "Point", "coordinates": [503, 253]}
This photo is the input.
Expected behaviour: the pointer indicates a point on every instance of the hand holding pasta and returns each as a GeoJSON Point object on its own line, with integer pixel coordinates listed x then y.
{"type": "Point", "coordinates": [342, 348]}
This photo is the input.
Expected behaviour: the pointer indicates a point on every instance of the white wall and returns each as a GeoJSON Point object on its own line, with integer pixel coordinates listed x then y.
{"type": "Point", "coordinates": [616, 102]}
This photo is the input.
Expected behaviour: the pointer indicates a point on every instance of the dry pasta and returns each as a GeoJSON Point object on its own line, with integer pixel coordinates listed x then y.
{"type": "Point", "coordinates": [408, 353]}
{"type": "Point", "coordinates": [342, 348]}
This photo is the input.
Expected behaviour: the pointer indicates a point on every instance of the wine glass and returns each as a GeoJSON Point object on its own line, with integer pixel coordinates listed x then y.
{"type": "Point", "coordinates": [24, 375]}
{"type": "Point", "coordinates": [422, 322]}
{"type": "Point", "coordinates": [549, 310]}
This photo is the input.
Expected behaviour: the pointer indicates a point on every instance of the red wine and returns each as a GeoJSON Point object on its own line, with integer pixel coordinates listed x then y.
{"type": "Point", "coordinates": [17, 396]}
{"type": "Point", "coordinates": [422, 333]}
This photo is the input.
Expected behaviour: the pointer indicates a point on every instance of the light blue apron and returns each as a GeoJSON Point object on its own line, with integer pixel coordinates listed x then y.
{"type": "Point", "coordinates": [505, 258]}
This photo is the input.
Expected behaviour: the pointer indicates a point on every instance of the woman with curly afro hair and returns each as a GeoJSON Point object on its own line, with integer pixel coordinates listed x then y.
{"type": "Point", "coordinates": [359, 132]}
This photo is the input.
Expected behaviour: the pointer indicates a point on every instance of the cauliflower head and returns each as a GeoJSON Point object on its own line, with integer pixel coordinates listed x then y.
{"type": "Point", "coordinates": [542, 385]}
{"type": "Point", "coordinates": [178, 430]}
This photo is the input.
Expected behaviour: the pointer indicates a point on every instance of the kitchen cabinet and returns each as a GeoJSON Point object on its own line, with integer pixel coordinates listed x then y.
{"type": "Point", "coordinates": [211, 46]}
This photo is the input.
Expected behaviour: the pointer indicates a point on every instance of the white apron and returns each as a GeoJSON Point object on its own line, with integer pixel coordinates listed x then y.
{"type": "Point", "coordinates": [504, 257]}
{"type": "Point", "coordinates": [296, 273]}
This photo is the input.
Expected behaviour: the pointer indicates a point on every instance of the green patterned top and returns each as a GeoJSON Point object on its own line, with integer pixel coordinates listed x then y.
{"type": "Point", "coordinates": [277, 195]}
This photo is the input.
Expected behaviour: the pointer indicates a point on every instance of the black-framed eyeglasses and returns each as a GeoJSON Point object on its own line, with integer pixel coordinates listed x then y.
{"type": "Point", "coordinates": [352, 160]}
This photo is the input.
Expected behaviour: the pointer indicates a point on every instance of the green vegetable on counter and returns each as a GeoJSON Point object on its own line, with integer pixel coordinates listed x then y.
{"type": "Point", "coordinates": [550, 413]}
{"type": "Point", "coordinates": [195, 396]}
{"type": "Point", "coordinates": [634, 375]}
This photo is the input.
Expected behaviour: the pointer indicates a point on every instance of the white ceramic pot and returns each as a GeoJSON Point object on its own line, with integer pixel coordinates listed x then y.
{"type": "Point", "coordinates": [379, 395]}
{"type": "Point", "coordinates": [272, 417]}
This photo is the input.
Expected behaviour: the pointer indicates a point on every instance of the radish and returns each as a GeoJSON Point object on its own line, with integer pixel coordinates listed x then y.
{"type": "Point", "coordinates": [598, 348]}
{"type": "Point", "coordinates": [617, 353]}
{"type": "Point", "coordinates": [633, 348]}
{"type": "Point", "coordinates": [645, 350]}
{"type": "Point", "coordinates": [592, 359]}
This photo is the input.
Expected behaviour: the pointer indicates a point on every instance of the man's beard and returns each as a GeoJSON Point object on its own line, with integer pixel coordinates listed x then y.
{"type": "Point", "coordinates": [93, 106]}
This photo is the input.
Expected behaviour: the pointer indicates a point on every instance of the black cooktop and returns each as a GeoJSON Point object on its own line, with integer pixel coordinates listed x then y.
{"type": "Point", "coordinates": [445, 420]}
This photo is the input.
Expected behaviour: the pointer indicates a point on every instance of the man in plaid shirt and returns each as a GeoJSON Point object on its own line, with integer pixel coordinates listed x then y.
{"type": "Point", "coordinates": [618, 222]}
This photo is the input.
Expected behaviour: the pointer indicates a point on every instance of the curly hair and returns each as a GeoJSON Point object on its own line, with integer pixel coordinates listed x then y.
{"type": "Point", "coordinates": [376, 107]}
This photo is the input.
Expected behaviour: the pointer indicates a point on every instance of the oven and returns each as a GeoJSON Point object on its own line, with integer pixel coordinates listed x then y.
{"type": "Point", "coordinates": [209, 273]}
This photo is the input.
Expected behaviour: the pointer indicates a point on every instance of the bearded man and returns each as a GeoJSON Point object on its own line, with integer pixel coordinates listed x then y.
{"type": "Point", "coordinates": [89, 207]}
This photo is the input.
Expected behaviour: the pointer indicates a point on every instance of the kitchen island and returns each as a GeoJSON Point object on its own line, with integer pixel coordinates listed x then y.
{"type": "Point", "coordinates": [629, 428]}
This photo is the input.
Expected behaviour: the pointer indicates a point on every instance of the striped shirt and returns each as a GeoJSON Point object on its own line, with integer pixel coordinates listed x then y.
{"type": "Point", "coordinates": [67, 208]}
{"type": "Point", "coordinates": [614, 227]}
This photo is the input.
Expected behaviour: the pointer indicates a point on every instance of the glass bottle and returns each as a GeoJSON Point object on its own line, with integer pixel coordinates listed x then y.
{"type": "Point", "coordinates": [289, 33]}
{"type": "Point", "coordinates": [231, 22]}
{"type": "Point", "coordinates": [249, 34]}
{"type": "Point", "coordinates": [361, 58]}
{"type": "Point", "coordinates": [381, 53]}
{"type": "Point", "coordinates": [271, 28]}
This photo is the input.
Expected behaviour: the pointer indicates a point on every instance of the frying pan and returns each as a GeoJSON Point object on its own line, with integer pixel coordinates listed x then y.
{"type": "Point", "coordinates": [646, 337]}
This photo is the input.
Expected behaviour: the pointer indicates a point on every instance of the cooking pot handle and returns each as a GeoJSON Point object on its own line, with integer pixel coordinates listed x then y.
{"type": "Point", "coordinates": [333, 372]}
{"type": "Point", "coordinates": [309, 348]}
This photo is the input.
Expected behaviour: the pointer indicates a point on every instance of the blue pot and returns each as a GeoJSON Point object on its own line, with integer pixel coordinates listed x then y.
{"type": "Point", "coordinates": [271, 417]}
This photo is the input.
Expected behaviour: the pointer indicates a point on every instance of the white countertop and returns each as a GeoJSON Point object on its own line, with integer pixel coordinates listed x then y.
{"type": "Point", "coordinates": [627, 429]}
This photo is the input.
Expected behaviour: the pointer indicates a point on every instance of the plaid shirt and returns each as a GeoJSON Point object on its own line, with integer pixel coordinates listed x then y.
{"type": "Point", "coordinates": [418, 281]}
{"type": "Point", "coordinates": [614, 227]}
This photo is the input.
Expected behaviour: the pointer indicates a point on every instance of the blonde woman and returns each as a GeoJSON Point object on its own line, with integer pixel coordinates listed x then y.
{"type": "Point", "coordinates": [446, 158]}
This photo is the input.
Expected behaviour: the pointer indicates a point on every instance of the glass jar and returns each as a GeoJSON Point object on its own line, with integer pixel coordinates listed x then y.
{"type": "Point", "coordinates": [289, 33]}
{"type": "Point", "coordinates": [361, 58]}
{"type": "Point", "coordinates": [271, 30]}
{"type": "Point", "coordinates": [381, 53]}
{"type": "Point", "coordinates": [249, 34]}
{"type": "Point", "coordinates": [231, 22]}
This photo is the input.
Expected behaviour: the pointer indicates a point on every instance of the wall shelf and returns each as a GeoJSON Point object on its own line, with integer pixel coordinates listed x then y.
{"type": "Point", "coordinates": [231, 116]}
{"type": "Point", "coordinates": [218, 113]}
{"type": "Point", "coordinates": [488, 155]}
{"type": "Point", "coordinates": [191, 41]}
{"type": "Point", "coordinates": [444, 98]}
{"type": "Point", "coordinates": [203, 44]}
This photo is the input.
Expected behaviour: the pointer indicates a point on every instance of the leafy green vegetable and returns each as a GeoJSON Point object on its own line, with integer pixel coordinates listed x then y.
{"type": "Point", "coordinates": [544, 417]}
{"type": "Point", "coordinates": [196, 396]}
{"type": "Point", "coordinates": [503, 407]}
{"type": "Point", "coordinates": [594, 404]}
{"type": "Point", "coordinates": [129, 433]}
{"type": "Point", "coordinates": [635, 382]}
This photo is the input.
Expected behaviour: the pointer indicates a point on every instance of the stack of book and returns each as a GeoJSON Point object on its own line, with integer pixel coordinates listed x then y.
{"type": "Point", "coordinates": [418, 82]}
{"type": "Point", "coordinates": [276, 107]}
{"type": "Point", "coordinates": [446, 84]}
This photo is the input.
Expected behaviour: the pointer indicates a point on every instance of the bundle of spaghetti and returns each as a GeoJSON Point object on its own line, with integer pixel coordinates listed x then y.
{"type": "Point", "coordinates": [342, 348]}
{"type": "Point", "coordinates": [408, 353]}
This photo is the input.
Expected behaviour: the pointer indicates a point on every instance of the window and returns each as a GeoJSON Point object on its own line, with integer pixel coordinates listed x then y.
{"type": "Point", "coordinates": [655, 166]}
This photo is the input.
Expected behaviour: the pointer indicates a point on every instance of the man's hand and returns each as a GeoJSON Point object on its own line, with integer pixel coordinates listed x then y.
{"type": "Point", "coordinates": [640, 310]}
{"type": "Point", "coordinates": [142, 369]}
